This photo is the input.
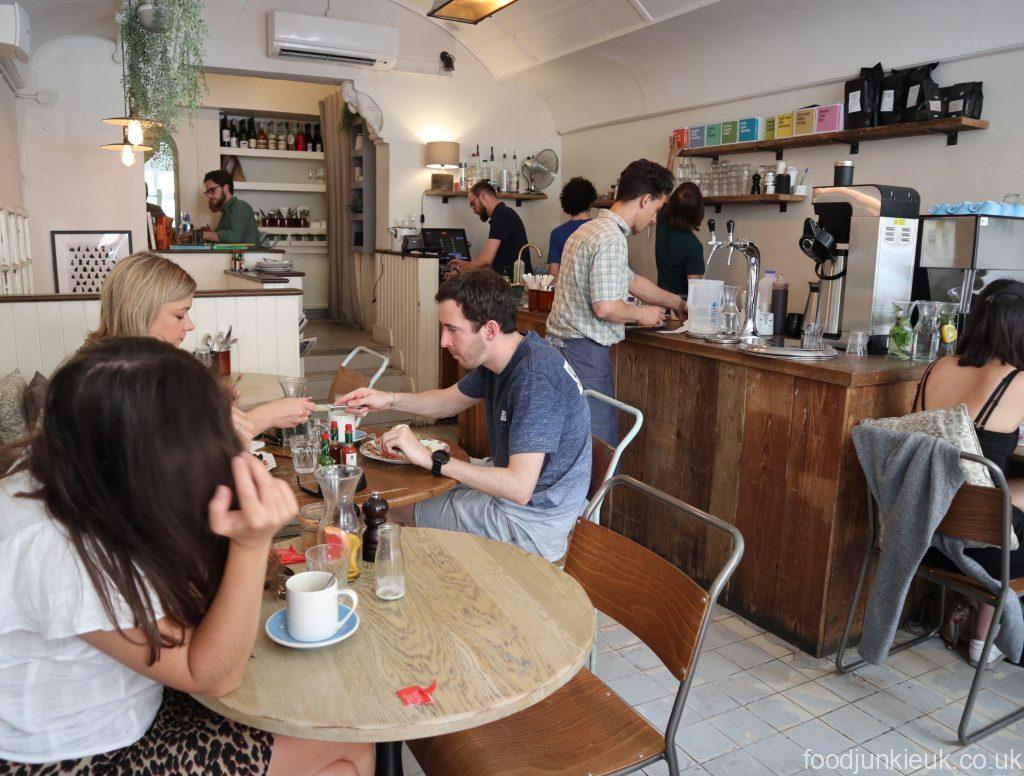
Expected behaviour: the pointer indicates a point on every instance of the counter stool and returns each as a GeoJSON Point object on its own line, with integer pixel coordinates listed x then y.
{"type": "Point", "coordinates": [978, 514]}
{"type": "Point", "coordinates": [584, 727]}
{"type": "Point", "coordinates": [605, 458]}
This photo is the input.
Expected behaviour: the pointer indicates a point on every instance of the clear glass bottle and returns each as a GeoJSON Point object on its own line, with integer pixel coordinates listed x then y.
{"type": "Point", "coordinates": [730, 313]}
{"type": "Point", "coordinates": [900, 335]}
{"type": "Point", "coordinates": [340, 522]}
{"type": "Point", "coordinates": [925, 344]}
{"type": "Point", "coordinates": [947, 328]}
{"type": "Point", "coordinates": [390, 563]}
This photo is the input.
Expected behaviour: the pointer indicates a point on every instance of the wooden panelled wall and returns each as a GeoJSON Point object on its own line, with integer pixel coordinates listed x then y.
{"type": "Point", "coordinates": [770, 453]}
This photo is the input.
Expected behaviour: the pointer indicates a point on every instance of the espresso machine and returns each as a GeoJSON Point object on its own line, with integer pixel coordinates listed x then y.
{"type": "Point", "coordinates": [863, 246]}
{"type": "Point", "coordinates": [958, 255]}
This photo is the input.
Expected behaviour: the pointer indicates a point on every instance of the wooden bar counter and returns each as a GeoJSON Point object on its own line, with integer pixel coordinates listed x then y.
{"type": "Point", "coordinates": [761, 443]}
{"type": "Point", "coordinates": [764, 444]}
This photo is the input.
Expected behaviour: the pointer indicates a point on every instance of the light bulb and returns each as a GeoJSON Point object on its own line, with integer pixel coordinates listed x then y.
{"type": "Point", "coordinates": [127, 156]}
{"type": "Point", "coordinates": [135, 132]}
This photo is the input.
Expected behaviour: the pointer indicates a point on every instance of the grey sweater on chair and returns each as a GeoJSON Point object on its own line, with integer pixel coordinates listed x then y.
{"type": "Point", "coordinates": [913, 479]}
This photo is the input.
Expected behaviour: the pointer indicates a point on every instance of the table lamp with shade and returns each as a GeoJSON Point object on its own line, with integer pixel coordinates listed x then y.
{"type": "Point", "coordinates": [442, 155]}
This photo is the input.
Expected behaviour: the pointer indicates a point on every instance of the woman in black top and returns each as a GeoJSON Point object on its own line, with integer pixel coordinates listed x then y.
{"type": "Point", "coordinates": [985, 375]}
{"type": "Point", "coordinates": [677, 250]}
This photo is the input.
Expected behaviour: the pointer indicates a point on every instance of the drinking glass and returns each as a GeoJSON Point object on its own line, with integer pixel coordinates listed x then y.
{"type": "Point", "coordinates": [857, 345]}
{"type": "Point", "coordinates": [730, 312]}
{"type": "Point", "coordinates": [390, 563]}
{"type": "Point", "coordinates": [332, 558]}
{"type": "Point", "coordinates": [203, 356]}
{"type": "Point", "coordinates": [811, 337]}
{"type": "Point", "coordinates": [305, 451]}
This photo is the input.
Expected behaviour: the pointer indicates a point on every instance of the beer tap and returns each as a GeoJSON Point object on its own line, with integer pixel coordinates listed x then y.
{"type": "Point", "coordinates": [752, 254]}
{"type": "Point", "coordinates": [730, 225]}
{"type": "Point", "coordinates": [714, 243]}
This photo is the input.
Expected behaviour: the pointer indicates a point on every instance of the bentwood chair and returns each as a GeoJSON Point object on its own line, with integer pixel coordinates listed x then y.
{"type": "Point", "coordinates": [979, 514]}
{"type": "Point", "coordinates": [346, 380]}
{"type": "Point", "coordinates": [584, 727]}
{"type": "Point", "coordinates": [605, 458]}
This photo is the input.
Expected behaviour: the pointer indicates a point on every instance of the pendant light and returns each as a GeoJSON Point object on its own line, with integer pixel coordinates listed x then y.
{"type": "Point", "coordinates": [467, 11]}
{"type": "Point", "coordinates": [134, 127]}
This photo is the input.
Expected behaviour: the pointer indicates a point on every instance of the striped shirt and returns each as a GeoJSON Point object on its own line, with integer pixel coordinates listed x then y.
{"type": "Point", "coordinates": [595, 268]}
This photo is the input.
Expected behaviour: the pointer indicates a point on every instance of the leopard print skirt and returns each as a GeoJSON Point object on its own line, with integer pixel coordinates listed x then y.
{"type": "Point", "coordinates": [185, 738]}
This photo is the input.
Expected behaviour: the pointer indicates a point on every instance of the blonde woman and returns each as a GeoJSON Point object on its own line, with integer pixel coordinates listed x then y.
{"type": "Point", "coordinates": [148, 295]}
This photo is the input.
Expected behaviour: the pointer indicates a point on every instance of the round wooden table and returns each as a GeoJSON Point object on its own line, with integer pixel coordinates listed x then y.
{"type": "Point", "coordinates": [255, 388]}
{"type": "Point", "coordinates": [499, 630]}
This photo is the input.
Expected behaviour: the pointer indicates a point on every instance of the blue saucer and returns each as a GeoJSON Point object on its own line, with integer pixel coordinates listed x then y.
{"type": "Point", "coordinates": [277, 630]}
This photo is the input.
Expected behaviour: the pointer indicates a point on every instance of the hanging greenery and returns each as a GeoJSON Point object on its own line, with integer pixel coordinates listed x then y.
{"type": "Point", "coordinates": [164, 75]}
{"type": "Point", "coordinates": [162, 157]}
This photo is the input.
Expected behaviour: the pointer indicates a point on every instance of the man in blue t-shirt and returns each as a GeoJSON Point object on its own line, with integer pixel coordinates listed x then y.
{"type": "Point", "coordinates": [538, 424]}
{"type": "Point", "coordinates": [577, 197]}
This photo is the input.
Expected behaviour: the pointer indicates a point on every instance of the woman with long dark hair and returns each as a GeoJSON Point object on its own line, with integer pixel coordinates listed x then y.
{"type": "Point", "coordinates": [985, 375]}
{"type": "Point", "coordinates": [134, 579]}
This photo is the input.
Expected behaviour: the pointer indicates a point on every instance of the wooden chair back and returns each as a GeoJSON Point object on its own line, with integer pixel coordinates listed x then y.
{"type": "Point", "coordinates": [640, 590]}
{"type": "Point", "coordinates": [976, 514]}
{"type": "Point", "coordinates": [601, 458]}
{"type": "Point", "coordinates": [345, 380]}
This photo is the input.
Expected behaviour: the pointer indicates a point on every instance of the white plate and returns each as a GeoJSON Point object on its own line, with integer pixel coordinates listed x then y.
{"type": "Point", "coordinates": [277, 630]}
{"type": "Point", "coordinates": [792, 353]}
{"type": "Point", "coordinates": [366, 449]}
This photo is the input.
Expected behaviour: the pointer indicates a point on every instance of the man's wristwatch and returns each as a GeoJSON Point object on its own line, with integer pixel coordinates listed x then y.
{"type": "Point", "coordinates": [440, 458]}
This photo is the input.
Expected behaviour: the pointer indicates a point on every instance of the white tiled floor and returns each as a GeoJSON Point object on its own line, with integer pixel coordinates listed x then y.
{"type": "Point", "coordinates": [758, 704]}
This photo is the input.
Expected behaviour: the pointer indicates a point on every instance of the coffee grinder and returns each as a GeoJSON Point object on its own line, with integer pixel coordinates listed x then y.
{"type": "Point", "coordinates": [863, 245]}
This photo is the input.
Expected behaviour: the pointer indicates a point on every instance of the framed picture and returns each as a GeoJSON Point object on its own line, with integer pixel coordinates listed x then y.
{"type": "Point", "coordinates": [83, 259]}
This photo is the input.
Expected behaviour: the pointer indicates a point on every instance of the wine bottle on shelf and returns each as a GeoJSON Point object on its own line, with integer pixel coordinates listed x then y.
{"type": "Point", "coordinates": [493, 174]}
{"type": "Point", "coordinates": [291, 137]}
{"type": "Point", "coordinates": [234, 135]}
{"type": "Point", "coordinates": [300, 139]}
{"type": "Point", "coordinates": [514, 179]}
{"type": "Point", "coordinates": [309, 137]}
{"type": "Point", "coordinates": [252, 132]}
{"type": "Point", "coordinates": [243, 135]}
{"type": "Point", "coordinates": [261, 138]}
{"type": "Point", "coordinates": [225, 131]}
{"type": "Point", "coordinates": [318, 141]}
{"type": "Point", "coordinates": [505, 179]}
{"type": "Point", "coordinates": [282, 138]}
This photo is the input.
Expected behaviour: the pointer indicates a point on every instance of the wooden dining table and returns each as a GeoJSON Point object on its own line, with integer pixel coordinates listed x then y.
{"type": "Point", "coordinates": [498, 629]}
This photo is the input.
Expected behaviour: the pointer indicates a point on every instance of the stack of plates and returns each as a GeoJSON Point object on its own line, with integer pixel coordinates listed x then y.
{"type": "Point", "coordinates": [274, 266]}
{"type": "Point", "coordinates": [794, 353]}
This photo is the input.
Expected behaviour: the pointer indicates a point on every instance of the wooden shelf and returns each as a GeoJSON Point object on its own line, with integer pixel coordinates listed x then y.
{"type": "Point", "coordinates": [854, 137]}
{"type": "Point", "coordinates": [311, 188]}
{"type": "Point", "coordinates": [782, 200]}
{"type": "Point", "coordinates": [266, 153]}
{"type": "Point", "coordinates": [446, 194]}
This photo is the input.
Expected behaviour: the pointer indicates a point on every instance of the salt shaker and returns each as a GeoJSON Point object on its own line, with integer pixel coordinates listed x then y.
{"type": "Point", "coordinates": [390, 563]}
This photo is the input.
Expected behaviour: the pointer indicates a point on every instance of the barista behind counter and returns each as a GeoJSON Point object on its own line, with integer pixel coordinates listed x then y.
{"type": "Point", "coordinates": [237, 220]}
{"type": "Point", "coordinates": [505, 239]}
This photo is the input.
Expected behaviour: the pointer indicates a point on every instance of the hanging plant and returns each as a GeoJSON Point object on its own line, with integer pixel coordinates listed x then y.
{"type": "Point", "coordinates": [162, 157]}
{"type": "Point", "coordinates": [164, 74]}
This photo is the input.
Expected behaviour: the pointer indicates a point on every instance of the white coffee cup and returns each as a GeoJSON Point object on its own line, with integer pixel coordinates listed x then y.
{"type": "Point", "coordinates": [313, 606]}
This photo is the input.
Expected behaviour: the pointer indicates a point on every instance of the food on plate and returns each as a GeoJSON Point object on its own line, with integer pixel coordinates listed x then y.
{"type": "Point", "coordinates": [372, 447]}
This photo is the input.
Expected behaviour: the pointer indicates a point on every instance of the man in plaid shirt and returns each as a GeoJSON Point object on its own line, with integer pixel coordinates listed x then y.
{"type": "Point", "coordinates": [590, 310]}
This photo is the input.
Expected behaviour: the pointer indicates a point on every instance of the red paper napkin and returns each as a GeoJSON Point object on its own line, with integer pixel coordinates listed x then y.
{"type": "Point", "coordinates": [415, 695]}
{"type": "Point", "coordinates": [289, 557]}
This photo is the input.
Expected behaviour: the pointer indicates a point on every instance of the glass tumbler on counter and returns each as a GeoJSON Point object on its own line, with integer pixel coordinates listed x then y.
{"type": "Point", "coordinates": [857, 344]}
{"type": "Point", "coordinates": [812, 336]}
{"type": "Point", "coordinates": [390, 563]}
{"type": "Point", "coordinates": [203, 356]}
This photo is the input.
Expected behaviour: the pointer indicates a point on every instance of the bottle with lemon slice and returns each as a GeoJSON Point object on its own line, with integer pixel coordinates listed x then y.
{"type": "Point", "coordinates": [947, 328]}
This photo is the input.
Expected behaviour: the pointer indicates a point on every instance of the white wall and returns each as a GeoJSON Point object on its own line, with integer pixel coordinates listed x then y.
{"type": "Point", "coordinates": [70, 183]}
{"type": "Point", "coordinates": [469, 106]}
{"type": "Point", "coordinates": [984, 165]}
{"type": "Point", "coordinates": [10, 163]}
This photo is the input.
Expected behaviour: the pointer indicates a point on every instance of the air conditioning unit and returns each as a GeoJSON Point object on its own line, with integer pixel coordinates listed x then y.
{"type": "Point", "coordinates": [15, 43]}
{"type": "Point", "coordinates": [329, 40]}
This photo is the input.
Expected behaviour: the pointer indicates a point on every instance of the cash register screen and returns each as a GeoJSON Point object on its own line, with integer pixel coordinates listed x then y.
{"type": "Point", "coordinates": [446, 243]}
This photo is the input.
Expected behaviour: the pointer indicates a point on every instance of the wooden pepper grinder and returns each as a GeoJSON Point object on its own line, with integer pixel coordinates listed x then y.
{"type": "Point", "coordinates": [375, 513]}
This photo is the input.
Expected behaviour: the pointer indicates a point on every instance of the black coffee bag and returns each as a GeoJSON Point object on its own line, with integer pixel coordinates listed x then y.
{"type": "Point", "coordinates": [894, 97]}
{"type": "Point", "coordinates": [962, 100]}
{"type": "Point", "coordinates": [863, 97]}
{"type": "Point", "coordinates": [923, 99]}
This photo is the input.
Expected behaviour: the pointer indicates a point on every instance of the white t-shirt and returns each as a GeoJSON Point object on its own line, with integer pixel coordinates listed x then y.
{"type": "Point", "coordinates": [59, 697]}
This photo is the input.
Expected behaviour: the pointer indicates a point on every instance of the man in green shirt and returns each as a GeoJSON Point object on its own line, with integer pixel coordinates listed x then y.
{"type": "Point", "coordinates": [237, 221]}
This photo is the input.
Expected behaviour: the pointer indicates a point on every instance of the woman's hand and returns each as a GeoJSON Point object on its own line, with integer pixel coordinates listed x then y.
{"type": "Point", "coordinates": [243, 427]}
{"type": "Point", "coordinates": [288, 413]}
{"type": "Point", "coordinates": [266, 502]}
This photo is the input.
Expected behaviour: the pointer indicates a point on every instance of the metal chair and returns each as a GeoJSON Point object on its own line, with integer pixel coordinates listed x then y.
{"type": "Point", "coordinates": [346, 380]}
{"type": "Point", "coordinates": [978, 514]}
{"type": "Point", "coordinates": [584, 727]}
{"type": "Point", "coordinates": [605, 458]}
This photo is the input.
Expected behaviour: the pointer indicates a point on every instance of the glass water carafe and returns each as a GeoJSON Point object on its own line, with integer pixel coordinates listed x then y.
{"type": "Point", "coordinates": [900, 335]}
{"type": "Point", "coordinates": [947, 328]}
{"type": "Point", "coordinates": [925, 343]}
{"type": "Point", "coordinates": [340, 522]}
{"type": "Point", "coordinates": [730, 312]}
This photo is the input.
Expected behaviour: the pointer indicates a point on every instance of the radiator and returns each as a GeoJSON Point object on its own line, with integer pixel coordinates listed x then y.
{"type": "Point", "coordinates": [405, 316]}
{"type": "Point", "coordinates": [15, 254]}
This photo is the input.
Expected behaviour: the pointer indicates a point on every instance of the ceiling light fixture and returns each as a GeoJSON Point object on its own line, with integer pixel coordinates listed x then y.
{"type": "Point", "coordinates": [467, 11]}
{"type": "Point", "coordinates": [126, 148]}
{"type": "Point", "coordinates": [134, 127]}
